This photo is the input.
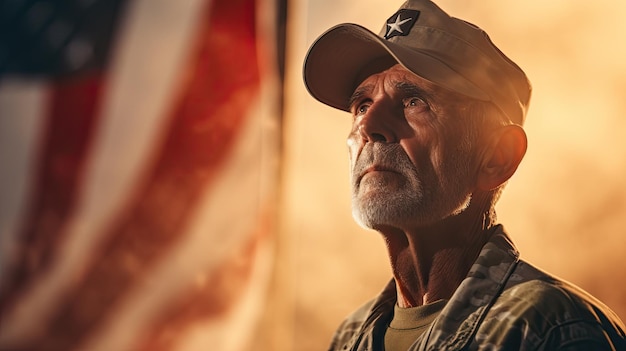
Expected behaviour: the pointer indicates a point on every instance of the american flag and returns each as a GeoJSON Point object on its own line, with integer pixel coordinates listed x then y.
{"type": "Point", "coordinates": [139, 152]}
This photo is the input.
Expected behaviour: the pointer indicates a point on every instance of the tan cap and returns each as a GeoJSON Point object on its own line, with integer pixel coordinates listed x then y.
{"type": "Point", "coordinates": [445, 50]}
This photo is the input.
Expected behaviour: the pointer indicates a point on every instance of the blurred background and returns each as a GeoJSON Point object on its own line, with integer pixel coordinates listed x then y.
{"type": "Point", "coordinates": [168, 184]}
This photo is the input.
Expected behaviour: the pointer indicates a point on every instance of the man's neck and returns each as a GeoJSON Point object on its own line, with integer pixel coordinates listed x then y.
{"type": "Point", "coordinates": [429, 263]}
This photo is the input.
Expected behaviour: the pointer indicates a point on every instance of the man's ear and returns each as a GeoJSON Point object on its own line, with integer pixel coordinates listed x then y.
{"type": "Point", "coordinates": [504, 152]}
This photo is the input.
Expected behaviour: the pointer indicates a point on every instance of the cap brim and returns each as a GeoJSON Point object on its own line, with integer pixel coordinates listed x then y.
{"type": "Point", "coordinates": [337, 60]}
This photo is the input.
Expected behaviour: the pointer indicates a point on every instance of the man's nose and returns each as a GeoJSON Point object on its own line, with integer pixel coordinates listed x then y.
{"type": "Point", "coordinates": [376, 125]}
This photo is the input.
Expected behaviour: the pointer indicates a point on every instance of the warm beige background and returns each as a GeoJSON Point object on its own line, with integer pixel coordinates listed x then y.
{"type": "Point", "coordinates": [565, 208]}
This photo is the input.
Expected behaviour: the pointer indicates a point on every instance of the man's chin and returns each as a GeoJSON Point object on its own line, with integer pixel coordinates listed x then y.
{"type": "Point", "coordinates": [372, 217]}
{"type": "Point", "coordinates": [400, 213]}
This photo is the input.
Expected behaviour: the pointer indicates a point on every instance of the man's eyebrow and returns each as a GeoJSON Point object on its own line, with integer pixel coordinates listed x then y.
{"type": "Point", "coordinates": [358, 94]}
{"type": "Point", "coordinates": [410, 89]}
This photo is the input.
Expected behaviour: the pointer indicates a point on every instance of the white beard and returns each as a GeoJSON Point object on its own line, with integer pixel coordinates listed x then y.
{"type": "Point", "coordinates": [408, 197]}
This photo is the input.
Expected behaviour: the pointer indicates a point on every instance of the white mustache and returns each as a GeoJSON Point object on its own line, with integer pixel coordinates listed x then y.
{"type": "Point", "coordinates": [380, 156]}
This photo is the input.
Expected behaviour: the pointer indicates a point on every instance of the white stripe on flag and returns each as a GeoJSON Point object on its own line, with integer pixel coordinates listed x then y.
{"type": "Point", "coordinates": [21, 126]}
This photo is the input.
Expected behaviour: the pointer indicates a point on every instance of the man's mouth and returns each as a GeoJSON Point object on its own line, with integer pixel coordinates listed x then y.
{"type": "Point", "coordinates": [376, 168]}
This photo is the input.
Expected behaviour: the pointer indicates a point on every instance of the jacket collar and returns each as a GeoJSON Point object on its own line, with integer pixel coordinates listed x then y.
{"type": "Point", "coordinates": [460, 318]}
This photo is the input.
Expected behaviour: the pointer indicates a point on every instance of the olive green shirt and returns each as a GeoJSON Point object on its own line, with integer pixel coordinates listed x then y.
{"type": "Point", "coordinates": [503, 304]}
{"type": "Point", "coordinates": [410, 323]}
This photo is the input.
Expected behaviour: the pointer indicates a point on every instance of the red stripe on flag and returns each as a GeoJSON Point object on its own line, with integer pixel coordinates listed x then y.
{"type": "Point", "coordinates": [72, 107]}
{"type": "Point", "coordinates": [222, 80]}
{"type": "Point", "coordinates": [208, 299]}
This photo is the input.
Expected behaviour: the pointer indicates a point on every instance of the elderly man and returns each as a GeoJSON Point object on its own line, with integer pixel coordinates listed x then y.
{"type": "Point", "coordinates": [437, 114]}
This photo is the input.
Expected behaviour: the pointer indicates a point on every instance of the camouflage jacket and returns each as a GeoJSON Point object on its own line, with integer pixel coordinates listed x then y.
{"type": "Point", "coordinates": [504, 303]}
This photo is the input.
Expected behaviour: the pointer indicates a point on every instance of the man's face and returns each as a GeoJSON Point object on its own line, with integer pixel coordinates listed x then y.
{"type": "Point", "coordinates": [410, 151]}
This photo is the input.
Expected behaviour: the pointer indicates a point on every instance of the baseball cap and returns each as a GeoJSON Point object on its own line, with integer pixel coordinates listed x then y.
{"type": "Point", "coordinates": [420, 36]}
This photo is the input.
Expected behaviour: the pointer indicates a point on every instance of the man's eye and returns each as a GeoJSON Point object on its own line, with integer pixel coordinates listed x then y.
{"type": "Point", "coordinates": [362, 109]}
{"type": "Point", "coordinates": [415, 102]}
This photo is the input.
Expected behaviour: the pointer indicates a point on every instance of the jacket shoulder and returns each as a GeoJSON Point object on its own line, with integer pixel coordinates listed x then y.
{"type": "Point", "coordinates": [538, 311]}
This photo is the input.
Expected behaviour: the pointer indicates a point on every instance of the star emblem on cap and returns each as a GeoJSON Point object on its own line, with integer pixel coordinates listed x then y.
{"type": "Point", "coordinates": [401, 22]}
{"type": "Point", "coordinates": [396, 26]}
